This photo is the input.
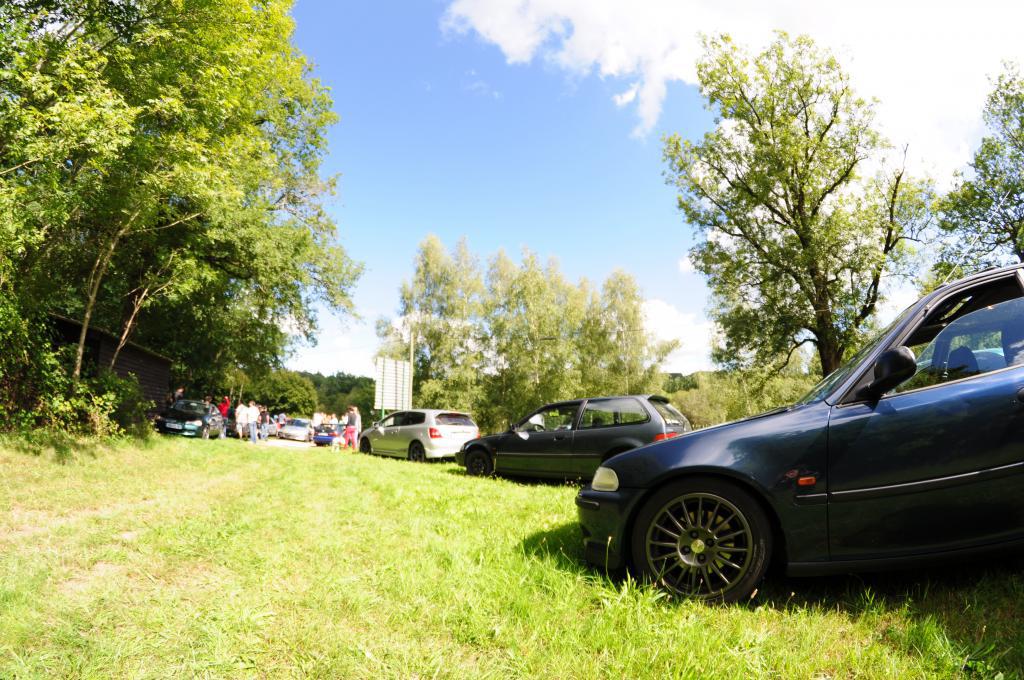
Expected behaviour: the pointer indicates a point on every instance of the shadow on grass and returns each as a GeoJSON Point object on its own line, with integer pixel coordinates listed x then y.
{"type": "Point", "coordinates": [562, 545]}
{"type": "Point", "coordinates": [62, 446]}
{"type": "Point", "coordinates": [460, 471]}
{"type": "Point", "coordinates": [976, 605]}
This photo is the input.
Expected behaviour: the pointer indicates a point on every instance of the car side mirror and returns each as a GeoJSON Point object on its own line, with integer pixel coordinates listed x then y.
{"type": "Point", "coordinates": [511, 427]}
{"type": "Point", "coordinates": [893, 367]}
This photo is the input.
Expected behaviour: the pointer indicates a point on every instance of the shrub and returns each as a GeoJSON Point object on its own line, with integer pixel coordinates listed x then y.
{"type": "Point", "coordinates": [36, 389]}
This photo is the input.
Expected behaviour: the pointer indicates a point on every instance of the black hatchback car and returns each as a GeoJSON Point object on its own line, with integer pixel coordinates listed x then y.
{"type": "Point", "coordinates": [912, 450]}
{"type": "Point", "coordinates": [570, 439]}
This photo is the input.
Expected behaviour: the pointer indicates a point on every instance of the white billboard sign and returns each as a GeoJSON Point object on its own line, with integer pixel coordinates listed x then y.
{"type": "Point", "coordinates": [393, 389]}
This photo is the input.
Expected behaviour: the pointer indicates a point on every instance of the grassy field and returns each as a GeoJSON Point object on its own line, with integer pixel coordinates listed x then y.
{"type": "Point", "coordinates": [218, 559]}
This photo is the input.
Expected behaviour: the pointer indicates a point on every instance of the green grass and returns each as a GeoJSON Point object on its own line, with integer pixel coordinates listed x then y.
{"type": "Point", "coordinates": [218, 559]}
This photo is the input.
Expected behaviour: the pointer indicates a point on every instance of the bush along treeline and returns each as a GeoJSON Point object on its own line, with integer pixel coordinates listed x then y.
{"type": "Point", "coordinates": [335, 393]}
{"type": "Point", "coordinates": [501, 342]}
{"type": "Point", "coordinates": [159, 178]}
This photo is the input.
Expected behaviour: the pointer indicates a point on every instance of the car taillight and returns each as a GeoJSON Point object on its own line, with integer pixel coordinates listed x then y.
{"type": "Point", "coordinates": [665, 435]}
{"type": "Point", "coordinates": [477, 435]}
{"type": "Point", "coordinates": [434, 433]}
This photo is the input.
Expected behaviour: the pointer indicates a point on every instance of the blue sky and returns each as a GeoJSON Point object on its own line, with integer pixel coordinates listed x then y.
{"type": "Point", "coordinates": [537, 123]}
{"type": "Point", "coordinates": [439, 135]}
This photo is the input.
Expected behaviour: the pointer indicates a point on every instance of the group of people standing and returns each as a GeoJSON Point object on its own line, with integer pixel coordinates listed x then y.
{"type": "Point", "coordinates": [350, 424]}
{"type": "Point", "coordinates": [252, 420]}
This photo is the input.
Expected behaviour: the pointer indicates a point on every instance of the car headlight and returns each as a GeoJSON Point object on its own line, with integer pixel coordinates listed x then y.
{"type": "Point", "coordinates": [197, 423]}
{"type": "Point", "coordinates": [605, 479]}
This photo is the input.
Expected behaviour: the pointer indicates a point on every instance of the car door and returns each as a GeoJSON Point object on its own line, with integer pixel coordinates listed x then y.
{"type": "Point", "coordinates": [408, 429]}
{"type": "Point", "coordinates": [382, 437]}
{"type": "Point", "coordinates": [606, 425]}
{"type": "Point", "coordinates": [937, 464]}
{"type": "Point", "coordinates": [541, 444]}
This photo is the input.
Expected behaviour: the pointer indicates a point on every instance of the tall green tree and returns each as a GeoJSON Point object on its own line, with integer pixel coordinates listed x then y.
{"type": "Point", "coordinates": [620, 355]}
{"type": "Point", "coordinates": [795, 240]}
{"type": "Point", "coordinates": [983, 215]}
{"type": "Point", "coordinates": [160, 161]}
{"type": "Point", "coordinates": [501, 344]}
{"type": "Point", "coordinates": [441, 307]}
{"type": "Point", "coordinates": [285, 392]}
{"type": "Point", "coordinates": [531, 322]}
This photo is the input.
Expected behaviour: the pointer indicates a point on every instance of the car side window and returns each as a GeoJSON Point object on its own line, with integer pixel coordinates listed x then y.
{"type": "Point", "coordinates": [612, 412]}
{"type": "Point", "coordinates": [413, 418]}
{"type": "Point", "coordinates": [550, 418]}
{"type": "Point", "coordinates": [389, 421]}
{"type": "Point", "coordinates": [984, 339]}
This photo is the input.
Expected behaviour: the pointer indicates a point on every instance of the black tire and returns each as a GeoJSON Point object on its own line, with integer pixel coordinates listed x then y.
{"type": "Point", "coordinates": [416, 452]}
{"type": "Point", "coordinates": [722, 540]}
{"type": "Point", "coordinates": [365, 446]}
{"type": "Point", "coordinates": [479, 463]}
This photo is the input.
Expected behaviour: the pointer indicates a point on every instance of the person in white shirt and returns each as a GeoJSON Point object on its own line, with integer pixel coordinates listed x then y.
{"type": "Point", "coordinates": [253, 418]}
{"type": "Point", "coordinates": [241, 419]}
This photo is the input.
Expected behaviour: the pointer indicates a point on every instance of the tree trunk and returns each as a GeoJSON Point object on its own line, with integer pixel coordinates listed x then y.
{"type": "Point", "coordinates": [129, 325]}
{"type": "Point", "coordinates": [99, 269]}
{"type": "Point", "coordinates": [830, 354]}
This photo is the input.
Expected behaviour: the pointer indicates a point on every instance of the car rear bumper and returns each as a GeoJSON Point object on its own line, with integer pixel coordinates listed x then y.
{"type": "Point", "coordinates": [439, 449]}
{"type": "Point", "coordinates": [604, 521]}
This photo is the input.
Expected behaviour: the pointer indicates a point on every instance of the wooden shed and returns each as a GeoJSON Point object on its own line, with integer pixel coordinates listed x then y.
{"type": "Point", "coordinates": [152, 370]}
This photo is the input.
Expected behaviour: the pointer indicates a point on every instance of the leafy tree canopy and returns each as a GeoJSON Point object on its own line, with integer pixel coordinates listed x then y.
{"type": "Point", "coordinates": [503, 343]}
{"type": "Point", "coordinates": [983, 216]}
{"type": "Point", "coordinates": [795, 239]}
{"type": "Point", "coordinates": [159, 176]}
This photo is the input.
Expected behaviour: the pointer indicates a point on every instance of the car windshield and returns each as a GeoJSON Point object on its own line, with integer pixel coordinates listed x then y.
{"type": "Point", "coordinates": [454, 419]}
{"type": "Point", "coordinates": [325, 429]}
{"type": "Point", "coordinates": [298, 422]}
{"type": "Point", "coordinates": [191, 407]}
{"type": "Point", "coordinates": [836, 377]}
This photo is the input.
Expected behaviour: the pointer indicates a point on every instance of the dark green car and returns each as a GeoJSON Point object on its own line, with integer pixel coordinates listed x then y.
{"type": "Point", "coordinates": [191, 419]}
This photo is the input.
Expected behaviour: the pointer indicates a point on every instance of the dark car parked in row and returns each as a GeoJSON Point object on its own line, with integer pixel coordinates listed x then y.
{"type": "Point", "coordinates": [570, 439]}
{"type": "Point", "coordinates": [192, 419]}
{"type": "Point", "coordinates": [912, 450]}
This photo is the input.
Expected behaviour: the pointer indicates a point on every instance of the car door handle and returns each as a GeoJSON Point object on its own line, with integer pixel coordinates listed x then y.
{"type": "Point", "coordinates": [559, 437]}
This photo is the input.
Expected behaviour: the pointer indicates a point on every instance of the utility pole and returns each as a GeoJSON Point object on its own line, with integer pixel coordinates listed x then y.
{"type": "Point", "coordinates": [412, 341]}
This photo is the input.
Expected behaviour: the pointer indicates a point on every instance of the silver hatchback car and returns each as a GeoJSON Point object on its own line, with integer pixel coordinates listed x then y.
{"type": "Point", "coordinates": [419, 434]}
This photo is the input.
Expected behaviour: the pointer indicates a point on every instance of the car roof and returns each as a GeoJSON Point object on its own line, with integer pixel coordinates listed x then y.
{"type": "Point", "coordinates": [430, 411]}
{"type": "Point", "coordinates": [649, 397]}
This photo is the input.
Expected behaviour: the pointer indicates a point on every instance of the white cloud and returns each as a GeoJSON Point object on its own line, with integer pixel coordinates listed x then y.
{"type": "Point", "coordinates": [685, 266]}
{"type": "Point", "coordinates": [627, 97]}
{"type": "Point", "coordinates": [694, 333]}
{"type": "Point", "coordinates": [346, 349]}
{"type": "Point", "coordinates": [927, 62]}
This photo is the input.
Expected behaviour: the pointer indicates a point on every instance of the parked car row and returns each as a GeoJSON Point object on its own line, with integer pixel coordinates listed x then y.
{"type": "Point", "coordinates": [911, 451]}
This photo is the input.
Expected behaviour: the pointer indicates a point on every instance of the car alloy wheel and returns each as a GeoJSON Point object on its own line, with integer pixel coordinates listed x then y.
{"type": "Point", "coordinates": [704, 539]}
{"type": "Point", "coordinates": [416, 452]}
{"type": "Point", "coordinates": [478, 463]}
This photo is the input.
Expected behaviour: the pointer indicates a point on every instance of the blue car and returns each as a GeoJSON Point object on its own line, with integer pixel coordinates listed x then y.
{"type": "Point", "coordinates": [912, 451]}
{"type": "Point", "coordinates": [326, 435]}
